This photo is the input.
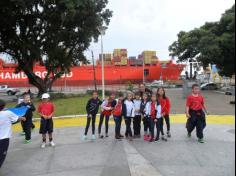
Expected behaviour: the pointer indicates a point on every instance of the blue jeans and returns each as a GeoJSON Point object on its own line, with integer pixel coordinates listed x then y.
{"type": "Point", "coordinates": [118, 121]}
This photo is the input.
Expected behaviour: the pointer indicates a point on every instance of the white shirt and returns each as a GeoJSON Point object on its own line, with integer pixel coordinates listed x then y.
{"type": "Point", "coordinates": [6, 120]}
{"type": "Point", "coordinates": [130, 108]}
{"type": "Point", "coordinates": [158, 108]}
{"type": "Point", "coordinates": [137, 106]}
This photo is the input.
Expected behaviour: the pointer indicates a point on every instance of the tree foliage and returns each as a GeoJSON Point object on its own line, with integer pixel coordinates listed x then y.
{"type": "Point", "coordinates": [54, 33]}
{"type": "Point", "coordinates": [213, 43]}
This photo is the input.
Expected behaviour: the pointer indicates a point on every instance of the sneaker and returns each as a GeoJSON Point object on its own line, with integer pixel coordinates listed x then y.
{"type": "Point", "coordinates": [168, 134]}
{"type": "Point", "coordinates": [107, 135]}
{"type": "Point", "coordinates": [93, 138]}
{"type": "Point", "coordinates": [157, 139]}
{"type": "Point", "coordinates": [164, 139]}
{"type": "Point", "coordinates": [101, 136]}
{"type": "Point", "coordinates": [121, 136]}
{"type": "Point", "coordinates": [151, 140]}
{"type": "Point", "coordinates": [201, 141]}
{"type": "Point", "coordinates": [43, 146]}
{"type": "Point", "coordinates": [22, 133]}
{"type": "Point", "coordinates": [52, 144]}
{"type": "Point", "coordinates": [189, 135]}
{"type": "Point", "coordinates": [85, 138]}
{"type": "Point", "coordinates": [27, 142]}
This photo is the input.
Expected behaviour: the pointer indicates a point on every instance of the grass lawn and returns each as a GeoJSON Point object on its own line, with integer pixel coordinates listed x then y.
{"type": "Point", "coordinates": [65, 106]}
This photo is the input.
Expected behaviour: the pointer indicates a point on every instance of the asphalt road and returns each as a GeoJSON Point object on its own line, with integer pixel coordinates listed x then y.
{"type": "Point", "coordinates": [180, 156]}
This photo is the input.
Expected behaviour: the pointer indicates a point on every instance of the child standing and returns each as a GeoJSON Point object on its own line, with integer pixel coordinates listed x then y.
{"type": "Point", "coordinates": [195, 107]}
{"type": "Point", "coordinates": [92, 110]}
{"type": "Point", "coordinates": [129, 113]}
{"type": "Point", "coordinates": [156, 119]}
{"type": "Point", "coordinates": [27, 125]}
{"type": "Point", "coordinates": [144, 111]}
{"type": "Point", "coordinates": [107, 107]}
{"type": "Point", "coordinates": [138, 117]}
{"type": "Point", "coordinates": [6, 120]}
{"type": "Point", "coordinates": [117, 115]}
{"type": "Point", "coordinates": [46, 110]}
{"type": "Point", "coordinates": [165, 106]}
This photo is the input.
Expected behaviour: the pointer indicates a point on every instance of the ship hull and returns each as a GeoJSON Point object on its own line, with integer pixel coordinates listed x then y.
{"type": "Point", "coordinates": [84, 75]}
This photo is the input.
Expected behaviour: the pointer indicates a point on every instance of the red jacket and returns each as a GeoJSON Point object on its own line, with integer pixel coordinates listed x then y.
{"type": "Point", "coordinates": [165, 105]}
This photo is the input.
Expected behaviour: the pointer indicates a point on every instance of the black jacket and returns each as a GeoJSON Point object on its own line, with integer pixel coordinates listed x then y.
{"type": "Point", "coordinates": [93, 106]}
{"type": "Point", "coordinates": [29, 113]}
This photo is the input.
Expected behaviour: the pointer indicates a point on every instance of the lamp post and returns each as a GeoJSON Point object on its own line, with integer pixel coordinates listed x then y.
{"type": "Point", "coordinates": [102, 30]}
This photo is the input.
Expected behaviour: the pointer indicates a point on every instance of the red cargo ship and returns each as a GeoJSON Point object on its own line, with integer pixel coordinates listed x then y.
{"type": "Point", "coordinates": [84, 75]}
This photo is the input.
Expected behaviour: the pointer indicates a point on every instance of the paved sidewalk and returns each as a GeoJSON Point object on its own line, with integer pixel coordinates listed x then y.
{"type": "Point", "coordinates": [180, 156]}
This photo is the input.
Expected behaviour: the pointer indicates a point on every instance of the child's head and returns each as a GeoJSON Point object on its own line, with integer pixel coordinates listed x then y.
{"type": "Point", "coordinates": [121, 97]}
{"type": "Point", "coordinates": [2, 105]}
{"type": "Point", "coordinates": [130, 96]}
{"type": "Point", "coordinates": [95, 95]}
{"type": "Point", "coordinates": [154, 98]}
{"type": "Point", "coordinates": [137, 96]}
{"type": "Point", "coordinates": [113, 95]}
{"type": "Point", "coordinates": [27, 98]}
{"type": "Point", "coordinates": [161, 92]}
{"type": "Point", "coordinates": [45, 97]}
{"type": "Point", "coordinates": [145, 97]}
{"type": "Point", "coordinates": [196, 89]}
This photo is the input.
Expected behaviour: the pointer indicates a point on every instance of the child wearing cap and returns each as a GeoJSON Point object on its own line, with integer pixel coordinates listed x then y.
{"type": "Point", "coordinates": [6, 120]}
{"type": "Point", "coordinates": [46, 110]}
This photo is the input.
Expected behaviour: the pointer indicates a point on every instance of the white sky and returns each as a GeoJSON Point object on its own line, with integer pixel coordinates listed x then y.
{"type": "Point", "coordinates": [154, 24]}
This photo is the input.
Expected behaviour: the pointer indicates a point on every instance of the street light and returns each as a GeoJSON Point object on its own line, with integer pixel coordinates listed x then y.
{"type": "Point", "coordinates": [102, 30]}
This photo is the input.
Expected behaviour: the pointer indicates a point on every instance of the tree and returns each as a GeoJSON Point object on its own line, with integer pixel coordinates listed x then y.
{"type": "Point", "coordinates": [213, 43]}
{"type": "Point", "coordinates": [54, 33]}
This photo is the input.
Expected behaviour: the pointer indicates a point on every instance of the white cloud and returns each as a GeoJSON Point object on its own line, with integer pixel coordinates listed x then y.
{"type": "Point", "coordinates": [154, 24]}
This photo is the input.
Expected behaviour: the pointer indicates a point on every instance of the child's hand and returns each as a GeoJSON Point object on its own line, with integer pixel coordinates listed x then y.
{"type": "Point", "coordinates": [155, 120]}
{"type": "Point", "coordinates": [188, 115]}
{"type": "Point", "coordinates": [208, 113]}
{"type": "Point", "coordinates": [22, 119]}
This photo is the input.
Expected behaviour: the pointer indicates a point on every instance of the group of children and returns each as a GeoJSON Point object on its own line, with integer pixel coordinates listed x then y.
{"type": "Point", "coordinates": [153, 109]}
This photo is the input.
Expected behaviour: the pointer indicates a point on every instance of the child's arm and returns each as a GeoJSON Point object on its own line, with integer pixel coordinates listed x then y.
{"type": "Point", "coordinates": [187, 112]}
{"type": "Point", "coordinates": [87, 107]}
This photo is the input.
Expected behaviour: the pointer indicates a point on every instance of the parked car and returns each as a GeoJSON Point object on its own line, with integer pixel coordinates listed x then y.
{"type": "Point", "coordinates": [155, 84]}
{"type": "Point", "coordinates": [209, 86]}
{"type": "Point", "coordinates": [230, 91]}
{"type": "Point", "coordinates": [8, 90]}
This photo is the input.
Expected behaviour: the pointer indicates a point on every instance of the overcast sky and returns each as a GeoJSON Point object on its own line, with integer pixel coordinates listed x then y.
{"type": "Point", "coordinates": [154, 24]}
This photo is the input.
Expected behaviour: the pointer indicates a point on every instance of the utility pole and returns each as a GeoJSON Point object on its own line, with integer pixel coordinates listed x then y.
{"type": "Point", "coordinates": [94, 72]}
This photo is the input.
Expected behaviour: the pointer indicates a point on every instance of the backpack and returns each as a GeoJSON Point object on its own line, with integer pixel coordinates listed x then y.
{"type": "Point", "coordinates": [117, 110]}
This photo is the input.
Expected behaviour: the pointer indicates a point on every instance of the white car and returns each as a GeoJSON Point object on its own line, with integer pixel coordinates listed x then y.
{"type": "Point", "coordinates": [8, 90]}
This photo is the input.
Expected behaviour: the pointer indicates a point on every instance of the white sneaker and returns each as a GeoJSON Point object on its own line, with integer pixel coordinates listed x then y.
{"type": "Point", "coordinates": [94, 137]}
{"type": "Point", "coordinates": [84, 138]}
{"type": "Point", "coordinates": [43, 146]}
{"type": "Point", "coordinates": [52, 144]}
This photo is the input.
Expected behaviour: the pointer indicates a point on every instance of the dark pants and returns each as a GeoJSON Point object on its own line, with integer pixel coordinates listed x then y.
{"type": "Point", "coordinates": [89, 119]}
{"type": "Point", "coordinates": [198, 121]}
{"type": "Point", "coordinates": [137, 125]}
{"type": "Point", "coordinates": [27, 127]}
{"type": "Point", "coordinates": [128, 121]}
{"type": "Point", "coordinates": [118, 121]}
{"type": "Point", "coordinates": [4, 144]}
{"type": "Point", "coordinates": [146, 124]}
{"type": "Point", "coordinates": [158, 125]}
{"type": "Point", "coordinates": [107, 118]}
{"type": "Point", "coordinates": [167, 120]}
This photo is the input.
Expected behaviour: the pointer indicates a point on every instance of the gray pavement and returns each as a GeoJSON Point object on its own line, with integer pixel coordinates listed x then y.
{"type": "Point", "coordinates": [107, 157]}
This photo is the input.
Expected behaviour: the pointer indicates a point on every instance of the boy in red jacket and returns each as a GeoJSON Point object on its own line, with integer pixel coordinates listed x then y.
{"type": "Point", "coordinates": [165, 108]}
{"type": "Point", "coordinates": [195, 112]}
